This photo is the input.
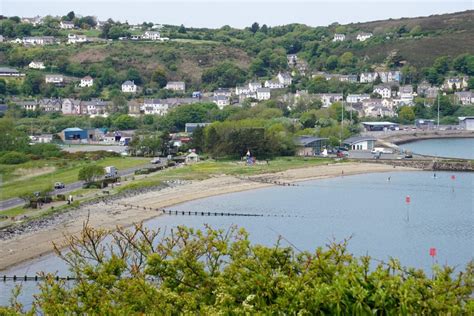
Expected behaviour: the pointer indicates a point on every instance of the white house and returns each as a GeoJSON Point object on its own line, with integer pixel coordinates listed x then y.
{"type": "Point", "coordinates": [363, 36]}
{"type": "Point", "coordinates": [223, 92]}
{"type": "Point", "coordinates": [221, 101]}
{"type": "Point", "coordinates": [56, 79]}
{"type": "Point", "coordinates": [151, 35]}
{"type": "Point", "coordinates": [10, 72]}
{"type": "Point", "coordinates": [66, 25]}
{"type": "Point", "coordinates": [355, 98]}
{"type": "Point", "coordinates": [368, 77]}
{"type": "Point", "coordinates": [87, 81]}
{"type": "Point", "coordinates": [129, 87]}
{"type": "Point", "coordinates": [71, 107]}
{"type": "Point", "coordinates": [242, 90]}
{"type": "Point", "coordinates": [176, 86]}
{"type": "Point", "coordinates": [1, 38]}
{"type": "Point", "coordinates": [273, 84]}
{"type": "Point", "coordinates": [292, 59]}
{"type": "Point", "coordinates": [384, 90]}
{"type": "Point", "coordinates": [284, 78]}
{"type": "Point", "coordinates": [329, 98]}
{"type": "Point", "coordinates": [390, 76]}
{"type": "Point", "coordinates": [38, 40]}
{"type": "Point", "coordinates": [253, 86]}
{"type": "Point", "coordinates": [263, 94]}
{"type": "Point", "coordinates": [75, 38]}
{"type": "Point", "coordinates": [339, 37]}
{"type": "Point", "coordinates": [155, 107]}
{"type": "Point", "coordinates": [456, 82]}
{"type": "Point", "coordinates": [36, 65]}
{"type": "Point", "coordinates": [406, 94]}
{"type": "Point", "coordinates": [464, 97]}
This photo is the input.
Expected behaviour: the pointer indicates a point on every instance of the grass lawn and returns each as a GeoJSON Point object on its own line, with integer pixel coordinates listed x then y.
{"type": "Point", "coordinates": [205, 169]}
{"type": "Point", "coordinates": [66, 174]}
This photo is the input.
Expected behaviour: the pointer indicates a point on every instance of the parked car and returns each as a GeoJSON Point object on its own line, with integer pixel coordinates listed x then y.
{"type": "Point", "coordinates": [59, 185]}
{"type": "Point", "coordinates": [408, 156]}
{"type": "Point", "coordinates": [155, 161]}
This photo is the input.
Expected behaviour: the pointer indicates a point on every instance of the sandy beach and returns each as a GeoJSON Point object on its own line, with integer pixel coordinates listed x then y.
{"type": "Point", "coordinates": [32, 244]}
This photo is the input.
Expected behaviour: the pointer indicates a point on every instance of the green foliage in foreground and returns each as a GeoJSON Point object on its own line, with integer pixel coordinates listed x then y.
{"type": "Point", "coordinates": [221, 272]}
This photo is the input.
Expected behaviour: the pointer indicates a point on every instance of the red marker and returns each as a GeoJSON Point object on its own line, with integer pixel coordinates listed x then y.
{"type": "Point", "coordinates": [433, 252]}
{"type": "Point", "coordinates": [453, 177]}
{"type": "Point", "coordinates": [407, 199]}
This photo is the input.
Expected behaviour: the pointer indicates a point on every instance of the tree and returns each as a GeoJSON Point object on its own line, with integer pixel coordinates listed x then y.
{"type": "Point", "coordinates": [159, 76]}
{"type": "Point", "coordinates": [332, 62]}
{"type": "Point", "coordinates": [125, 122]}
{"type": "Point", "coordinates": [406, 114]}
{"type": "Point", "coordinates": [222, 272]}
{"type": "Point", "coordinates": [70, 16]}
{"type": "Point", "coordinates": [254, 28]}
{"type": "Point", "coordinates": [91, 173]}
{"type": "Point", "coordinates": [225, 74]}
{"type": "Point", "coordinates": [182, 29]}
{"type": "Point", "coordinates": [198, 139]}
{"type": "Point", "coordinates": [441, 65]}
{"type": "Point", "coordinates": [12, 138]}
{"type": "Point", "coordinates": [346, 60]}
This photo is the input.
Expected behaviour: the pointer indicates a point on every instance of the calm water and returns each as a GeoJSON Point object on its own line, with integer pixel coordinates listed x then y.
{"type": "Point", "coordinates": [369, 208]}
{"type": "Point", "coordinates": [452, 147]}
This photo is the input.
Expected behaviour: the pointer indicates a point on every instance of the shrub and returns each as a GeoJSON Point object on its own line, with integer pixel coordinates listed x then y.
{"type": "Point", "coordinates": [14, 158]}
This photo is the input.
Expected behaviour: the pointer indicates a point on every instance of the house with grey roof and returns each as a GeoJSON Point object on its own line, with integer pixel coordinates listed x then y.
{"type": "Point", "coordinates": [10, 72]}
{"type": "Point", "coordinates": [176, 86]}
{"type": "Point", "coordinates": [129, 86]}
{"type": "Point", "coordinates": [310, 145]}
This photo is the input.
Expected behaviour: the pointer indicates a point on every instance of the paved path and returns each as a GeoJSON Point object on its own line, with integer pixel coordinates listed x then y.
{"type": "Point", "coordinates": [14, 202]}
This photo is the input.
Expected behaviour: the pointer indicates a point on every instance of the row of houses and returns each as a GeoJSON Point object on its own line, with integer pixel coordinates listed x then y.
{"type": "Point", "coordinates": [361, 37]}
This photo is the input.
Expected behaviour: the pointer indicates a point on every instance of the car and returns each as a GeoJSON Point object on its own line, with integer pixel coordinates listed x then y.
{"type": "Point", "coordinates": [408, 156]}
{"type": "Point", "coordinates": [155, 161]}
{"type": "Point", "coordinates": [59, 185]}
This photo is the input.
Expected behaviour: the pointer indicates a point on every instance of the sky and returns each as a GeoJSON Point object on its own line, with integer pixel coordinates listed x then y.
{"type": "Point", "coordinates": [214, 14]}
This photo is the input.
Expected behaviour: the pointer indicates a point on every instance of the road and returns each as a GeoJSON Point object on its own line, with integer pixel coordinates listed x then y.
{"type": "Point", "coordinates": [14, 202]}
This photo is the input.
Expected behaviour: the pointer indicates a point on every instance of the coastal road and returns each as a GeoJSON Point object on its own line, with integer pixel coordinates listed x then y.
{"type": "Point", "coordinates": [14, 202]}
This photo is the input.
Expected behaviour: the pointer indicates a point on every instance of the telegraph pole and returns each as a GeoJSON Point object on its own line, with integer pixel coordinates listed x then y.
{"type": "Point", "coordinates": [438, 110]}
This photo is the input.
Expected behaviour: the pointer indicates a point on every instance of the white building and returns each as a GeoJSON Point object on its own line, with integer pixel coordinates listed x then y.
{"type": "Point", "coordinates": [284, 78]}
{"type": "Point", "coordinates": [273, 84]}
{"type": "Point", "coordinates": [38, 40]}
{"type": "Point", "coordinates": [36, 65]}
{"type": "Point", "coordinates": [176, 86]}
{"type": "Point", "coordinates": [329, 98]}
{"type": "Point", "coordinates": [253, 86]}
{"type": "Point", "coordinates": [221, 101]}
{"type": "Point", "coordinates": [155, 107]}
{"type": "Point", "coordinates": [242, 90]}
{"type": "Point", "coordinates": [75, 38]}
{"type": "Point", "coordinates": [355, 98]}
{"type": "Point", "coordinates": [223, 92]}
{"type": "Point", "coordinates": [361, 37]}
{"type": "Point", "coordinates": [263, 94]}
{"type": "Point", "coordinates": [339, 37]}
{"type": "Point", "coordinates": [385, 91]}
{"type": "Point", "coordinates": [390, 76]}
{"type": "Point", "coordinates": [66, 25]}
{"type": "Point", "coordinates": [466, 122]}
{"type": "Point", "coordinates": [368, 77]}
{"type": "Point", "coordinates": [464, 97]}
{"type": "Point", "coordinates": [71, 107]}
{"type": "Point", "coordinates": [406, 94]}
{"type": "Point", "coordinates": [129, 87]}
{"type": "Point", "coordinates": [360, 142]}
{"type": "Point", "coordinates": [292, 60]}
{"type": "Point", "coordinates": [456, 82]}
{"type": "Point", "coordinates": [87, 81]}
{"type": "Point", "coordinates": [56, 79]}
{"type": "Point", "coordinates": [152, 35]}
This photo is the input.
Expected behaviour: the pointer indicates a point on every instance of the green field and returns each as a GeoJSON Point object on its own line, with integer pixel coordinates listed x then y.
{"type": "Point", "coordinates": [64, 173]}
{"type": "Point", "coordinates": [207, 169]}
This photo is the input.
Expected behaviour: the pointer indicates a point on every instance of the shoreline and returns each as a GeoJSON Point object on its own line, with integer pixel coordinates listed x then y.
{"type": "Point", "coordinates": [30, 245]}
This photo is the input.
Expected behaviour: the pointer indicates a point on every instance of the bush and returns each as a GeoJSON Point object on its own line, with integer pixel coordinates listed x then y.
{"type": "Point", "coordinates": [14, 158]}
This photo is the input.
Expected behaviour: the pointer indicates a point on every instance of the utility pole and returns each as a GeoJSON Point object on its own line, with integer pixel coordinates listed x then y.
{"type": "Point", "coordinates": [438, 110]}
{"type": "Point", "coordinates": [342, 119]}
